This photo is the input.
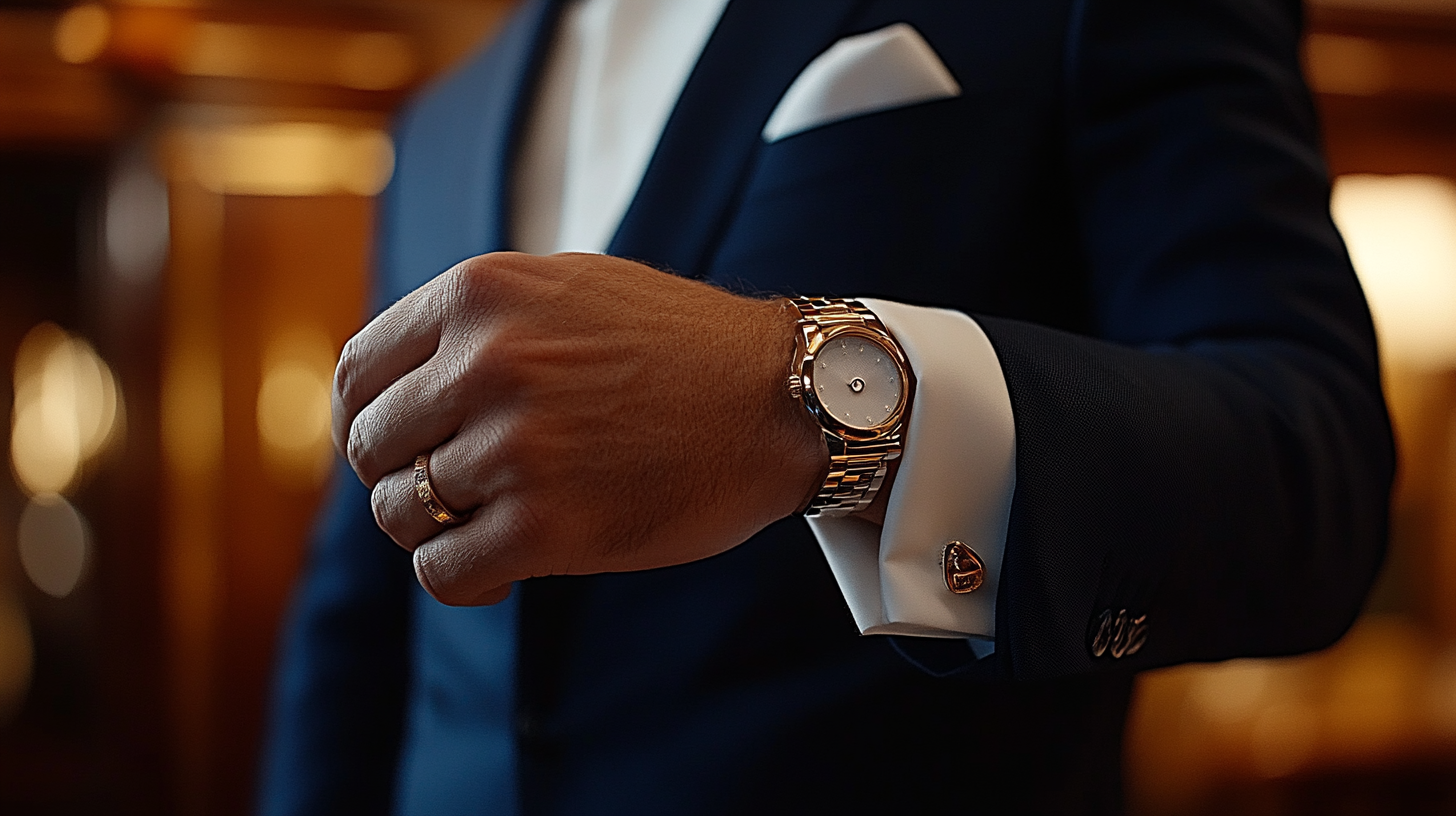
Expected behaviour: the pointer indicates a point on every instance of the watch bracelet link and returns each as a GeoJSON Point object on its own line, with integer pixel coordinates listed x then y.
{"type": "Point", "coordinates": [855, 475]}
{"type": "Point", "coordinates": [829, 312]}
{"type": "Point", "coordinates": [854, 480]}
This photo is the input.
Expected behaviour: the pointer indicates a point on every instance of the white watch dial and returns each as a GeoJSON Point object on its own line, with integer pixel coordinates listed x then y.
{"type": "Point", "coordinates": [857, 381]}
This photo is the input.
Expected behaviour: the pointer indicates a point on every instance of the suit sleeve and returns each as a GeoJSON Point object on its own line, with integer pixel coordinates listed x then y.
{"type": "Point", "coordinates": [1217, 458]}
{"type": "Point", "coordinates": [338, 698]}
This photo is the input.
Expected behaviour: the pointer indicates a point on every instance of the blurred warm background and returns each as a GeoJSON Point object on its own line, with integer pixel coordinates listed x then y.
{"type": "Point", "coordinates": [185, 214]}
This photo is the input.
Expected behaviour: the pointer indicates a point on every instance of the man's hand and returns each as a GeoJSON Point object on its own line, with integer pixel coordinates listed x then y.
{"type": "Point", "coordinates": [582, 414]}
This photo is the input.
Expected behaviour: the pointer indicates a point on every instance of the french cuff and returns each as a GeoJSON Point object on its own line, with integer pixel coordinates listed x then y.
{"type": "Point", "coordinates": [955, 483]}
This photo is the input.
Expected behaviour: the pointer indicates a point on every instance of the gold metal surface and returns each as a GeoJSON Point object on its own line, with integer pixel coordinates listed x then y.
{"type": "Point", "coordinates": [825, 320]}
{"type": "Point", "coordinates": [426, 492]}
{"type": "Point", "coordinates": [858, 457]}
{"type": "Point", "coordinates": [964, 570]}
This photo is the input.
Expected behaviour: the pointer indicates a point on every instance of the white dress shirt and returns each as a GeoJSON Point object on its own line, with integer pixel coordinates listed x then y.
{"type": "Point", "coordinates": [615, 71]}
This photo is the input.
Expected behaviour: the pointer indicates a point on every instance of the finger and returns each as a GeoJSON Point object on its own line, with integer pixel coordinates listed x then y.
{"type": "Point", "coordinates": [399, 512]}
{"type": "Point", "coordinates": [399, 340]}
{"type": "Point", "coordinates": [489, 597]}
{"type": "Point", "coordinates": [417, 413]}
{"type": "Point", "coordinates": [495, 596]}
{"type": "Point", "coordinates": [468, 565]}
{"type": "Point", "coordinates": [454, 470]}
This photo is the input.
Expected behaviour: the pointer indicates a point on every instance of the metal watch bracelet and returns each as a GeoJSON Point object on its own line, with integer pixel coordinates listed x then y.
{"type": "Point", "coordinates": [857, 468]}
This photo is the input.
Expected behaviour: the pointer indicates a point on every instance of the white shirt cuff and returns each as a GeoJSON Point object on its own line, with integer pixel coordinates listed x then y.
{"type": "Point", "coordinates": [955, 483]}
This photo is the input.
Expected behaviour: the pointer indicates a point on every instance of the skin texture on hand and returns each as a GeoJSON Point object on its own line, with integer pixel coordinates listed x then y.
{"type": "Point", "coordinates": [582, 414]}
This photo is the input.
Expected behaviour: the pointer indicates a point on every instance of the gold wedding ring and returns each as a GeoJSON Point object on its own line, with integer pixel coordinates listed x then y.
{"type": "Point", "coordinates": [426, 491]}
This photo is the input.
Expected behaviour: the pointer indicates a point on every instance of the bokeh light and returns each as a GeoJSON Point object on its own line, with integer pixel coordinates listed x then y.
{"type": "Point", "coordinates": [82, 32]}
{"type": "Point", "coordinates": [135, 228]}
{"type": "Point", "coordinates": [55, 543]}
{"type": "Point", "coordinates": [291, 159]}
{"type": "Point", "coordinates": [66, 409]}
{"type": "Point", "coordinates": [293, 405]}
{"type": "Point", "coordinates": [1401, 231]}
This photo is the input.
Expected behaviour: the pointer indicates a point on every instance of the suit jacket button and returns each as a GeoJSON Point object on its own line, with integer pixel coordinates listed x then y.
{"type": "Point", "coordinates": [1101, 633]}
{"type": "Point", "coordinates": [1121, 629]}
{"type": "Point", "coordinates": [1138, 636]}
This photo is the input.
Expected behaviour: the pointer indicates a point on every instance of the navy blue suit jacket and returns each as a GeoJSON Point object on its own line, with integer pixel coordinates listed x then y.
{"type": "Point", "coordinates": [1130, 199]}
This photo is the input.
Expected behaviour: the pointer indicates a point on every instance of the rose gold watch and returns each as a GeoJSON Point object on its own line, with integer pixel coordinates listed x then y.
{"type": "Point", "coordinates": [853, 377]}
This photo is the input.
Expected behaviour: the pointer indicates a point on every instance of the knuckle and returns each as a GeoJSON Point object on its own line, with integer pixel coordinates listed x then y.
{"type": "Point", "coordinates": [380, 504]}
{"type": "Point", "coordinates": [448, 387]}
{"type": "Point", "coordinates": [360, 451]}
{"type": "Point", "coordinates": [455, 372]}
{"type": "Point", "coordinates": [346, 372]}
{"type": "Point", "coordinates": [502, 355]}
{"type": "Point", "coordinates": [468, 276]}
{"type": "Point", "coordinates": [447, 289]}
{"type": "Point", "coordinates": [480, 282]}
{"type": "Point", "coordinates": [504, 449]}
{"type": "Point", "coordinates": [486, 369]}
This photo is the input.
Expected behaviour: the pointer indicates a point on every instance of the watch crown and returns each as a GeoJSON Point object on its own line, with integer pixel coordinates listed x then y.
{"type": "Point", "coordinates": [796, 386]}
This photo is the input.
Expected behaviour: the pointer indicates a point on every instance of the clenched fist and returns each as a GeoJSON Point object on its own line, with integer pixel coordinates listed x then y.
{"type": "Point", "coordinates": [581, 414]}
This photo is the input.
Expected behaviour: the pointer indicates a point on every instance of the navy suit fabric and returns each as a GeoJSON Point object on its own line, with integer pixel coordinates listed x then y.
{"type": "Point", "coordinates": [1130, 199]}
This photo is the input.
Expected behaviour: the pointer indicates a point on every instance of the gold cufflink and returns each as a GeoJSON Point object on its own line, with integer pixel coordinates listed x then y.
{"type": "Point", "coordinates": [964, 571]}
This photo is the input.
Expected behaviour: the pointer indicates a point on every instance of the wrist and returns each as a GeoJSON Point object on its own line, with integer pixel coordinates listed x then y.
{"type": "Point", "coordinates": [796, 436]}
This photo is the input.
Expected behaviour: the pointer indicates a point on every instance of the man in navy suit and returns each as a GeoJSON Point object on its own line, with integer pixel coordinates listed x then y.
{"type": "Point", "coordinates": [1123, 197]}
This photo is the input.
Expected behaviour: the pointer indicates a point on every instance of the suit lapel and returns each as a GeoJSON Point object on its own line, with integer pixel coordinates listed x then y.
{"type": "Point", "coordinates": [522, 47]}
{"type": "Point", "coordinates": [756, 51]}
{"type": "Point", "coordinates": [449, 199]}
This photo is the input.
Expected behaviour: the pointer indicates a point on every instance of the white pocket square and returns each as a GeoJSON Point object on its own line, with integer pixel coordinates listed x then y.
{"type": "Point", "coordinates": [867, 73]}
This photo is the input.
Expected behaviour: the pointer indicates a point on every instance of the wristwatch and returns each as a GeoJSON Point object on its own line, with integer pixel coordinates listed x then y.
{"type": "Point", "coordinates": [853, 377]}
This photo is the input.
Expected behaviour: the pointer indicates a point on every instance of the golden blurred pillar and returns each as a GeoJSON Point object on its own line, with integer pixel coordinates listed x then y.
{"type": "Point", "coordinates": [192, 442]}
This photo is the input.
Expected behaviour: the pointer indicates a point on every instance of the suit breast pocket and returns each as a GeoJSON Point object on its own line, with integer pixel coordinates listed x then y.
{"type": "Point", "coordinates": [891, 203]}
